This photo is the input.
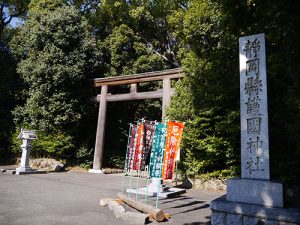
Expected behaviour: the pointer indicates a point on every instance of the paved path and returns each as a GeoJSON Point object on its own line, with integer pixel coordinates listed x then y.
{"type": "Point", "coordinates": [73, 199]}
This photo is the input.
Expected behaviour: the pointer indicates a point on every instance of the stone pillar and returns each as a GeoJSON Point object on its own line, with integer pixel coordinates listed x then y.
{"type": "Point", "coordinates": [253, 198]}
{"type": "Point", "coordinates": [98, 154]}
{"type": "Point", "coordinates": [254, 130]}
{"type": "Point", "coordinates": [26, 147]}
{"type": "Point", "coordinates": [254, 108]}
{"type": "Point", "coordinates": [157, 183]}
{"type": "Point", "coordinates": [166, 96]}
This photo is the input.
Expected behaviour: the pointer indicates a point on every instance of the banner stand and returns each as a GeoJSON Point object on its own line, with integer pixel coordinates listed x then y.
{"type": "Point", "coordinates": [152, 188]}
{"type": "Point", "coordinates": [126, 158]}
{"type": "Point", "coordinates": [176, 167]}
{"type": "Point", "coordinates": [156, 188]}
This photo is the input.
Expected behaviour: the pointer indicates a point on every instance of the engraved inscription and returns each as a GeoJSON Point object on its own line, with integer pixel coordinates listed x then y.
{"type": "Point", "coordinates": [254, 118]}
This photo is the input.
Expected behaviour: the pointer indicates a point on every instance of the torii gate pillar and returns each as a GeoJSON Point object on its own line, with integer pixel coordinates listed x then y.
{"type": "Point", "coordinates": [166, 96]}
{"type": "Point", "coordinates": [98, 155]}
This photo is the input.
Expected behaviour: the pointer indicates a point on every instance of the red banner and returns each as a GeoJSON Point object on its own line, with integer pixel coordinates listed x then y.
{"type": "Point", "coordinates": [139, 147]}
{"type": "Point", "coordinates": [174, 134]}
{"type": "Point", "coordinates": [130, 147]}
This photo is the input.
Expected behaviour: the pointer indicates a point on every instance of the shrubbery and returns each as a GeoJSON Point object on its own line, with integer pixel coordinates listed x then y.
{"type": "Point", "coordinates": [59, 146]}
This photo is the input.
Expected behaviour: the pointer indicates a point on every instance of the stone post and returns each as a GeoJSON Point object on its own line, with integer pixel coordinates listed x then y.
{"type": "Point", "coordinates": [26, 147]}
{"type": "Point", "coordinates": [166, 96]}
{"type": "Point", "coordinates": [27, 136]}
{"type": "Point", "coordinates": [157, 183]}
{"type": "Point", "coordinates": [253, 198]}
{"type": "Point", "coordinates": [255, 186]}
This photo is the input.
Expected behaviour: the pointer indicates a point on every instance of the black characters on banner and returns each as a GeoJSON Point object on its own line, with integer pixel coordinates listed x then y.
{"type": "Point", "coordinates": [157, 154]}
{"type": "Point", "coordinates": [149, 127]}
{"type": "Point", "coordinates": [154, 144]}
{"type": "Point", "coordinates": [139, 146]}
{"type": "Point", "coordinates": [131, 147]}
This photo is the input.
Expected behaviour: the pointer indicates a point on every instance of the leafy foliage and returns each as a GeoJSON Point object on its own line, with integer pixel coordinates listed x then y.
{"type": "Point", "coordinates": [9, 82]}
{"type": "Point", "coordinates": [133, 37]}
{"type": "Point", "coordinates": [84, 157]}
{"type": "Point", "coordinates": [278, 20]}
{"type": "Point", "coordinates": [205, 98]}
{"type": "Point", "coordinates": [8, 87]}
{"type": "Point", "coordinates": [206, 146]}
{"type": "Point", "coordinates": [58, 145]}
{"type": "Point", "coordinates": [57, 53]}
{"type": "Point", "coordinates": [127, 54]}
{"type": "Point", "coordinates": [208, 33]}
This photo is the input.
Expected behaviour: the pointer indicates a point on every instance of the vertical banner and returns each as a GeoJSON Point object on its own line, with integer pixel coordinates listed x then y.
{"type": "Point", "coordinates": [149, 132]}
{"type": "Point", "coordinates": [173, 138]}
{"type": "Point", "coordinates": [157, 153]}
{"type": "Point", "coordinates": [130, 147]}
{"type": "Point", "coordinates": [139, 146]}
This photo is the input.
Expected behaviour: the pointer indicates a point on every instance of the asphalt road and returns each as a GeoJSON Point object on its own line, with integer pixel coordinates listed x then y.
{"type": "Point", "coordinates": [73, 199]}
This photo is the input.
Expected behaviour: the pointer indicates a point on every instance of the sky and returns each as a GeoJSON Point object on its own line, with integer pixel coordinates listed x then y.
{"type": "Point", "coordinates": [15, 21]}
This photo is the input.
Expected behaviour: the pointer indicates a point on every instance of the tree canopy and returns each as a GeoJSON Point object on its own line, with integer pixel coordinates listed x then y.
{"type": "Point", "coordinates": [57, 54]}
{"type": "Point", "coordinates": [64, 43]}
{"type": "Point", "coordinates": [208, 35]}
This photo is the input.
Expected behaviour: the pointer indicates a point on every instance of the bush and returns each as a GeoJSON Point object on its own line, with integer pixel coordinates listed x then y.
{"type": "Point", "coordinates": [84, 157]}
{"type": "Point", "coordinates": [115, 161]}
{"type": "Point", "coordinates": [58, 145]}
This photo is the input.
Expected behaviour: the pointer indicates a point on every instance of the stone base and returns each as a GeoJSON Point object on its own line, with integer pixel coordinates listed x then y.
{"type": "Point", "coordinates": [157, 185]}
{"type": "Point", "coordinates": [10, 171]}
{"type": "Point", "coordinates": [165, 194]}
{"type": "Point", "coordinates": [23, 169]}
{"type": "Point", "coordinates": [258, 192]}
{"type": "Point", "coordinates": [232, 213]}
{"type": "Point", "coordinates": [31, 172]}
{"type": "Point", "coordinates": [95, 171]}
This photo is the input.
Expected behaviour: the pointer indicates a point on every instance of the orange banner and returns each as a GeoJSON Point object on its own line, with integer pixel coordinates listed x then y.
{"type": "Point", "coordinates": [174, 134]}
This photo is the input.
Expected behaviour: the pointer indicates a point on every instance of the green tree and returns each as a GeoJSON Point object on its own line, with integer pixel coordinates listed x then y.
{"type": "Point", "coordinates": [208, 33]}
{"type": "Point", "coordinates": [9, 83]}
{"type": "Point", "coordinates": [145, 20]}
{"type": "Point", "coordinates": [8, 86]}
{"type": "Point", "coordinates": [211, 141]}
{"type": "Point", "coordinates": [127, 54]}
{"type": "Point", "coordinates": [57, 54]}
{"type": "Point", "coordinates": [133, 37]}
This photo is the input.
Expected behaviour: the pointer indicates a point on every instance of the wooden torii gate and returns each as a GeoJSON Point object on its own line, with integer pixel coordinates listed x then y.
{"type": "Point", "coordinates": [165, 93]}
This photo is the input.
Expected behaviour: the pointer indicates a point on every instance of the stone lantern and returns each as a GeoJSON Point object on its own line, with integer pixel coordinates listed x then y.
{"type": "Point", "coordinates": [27, 136]}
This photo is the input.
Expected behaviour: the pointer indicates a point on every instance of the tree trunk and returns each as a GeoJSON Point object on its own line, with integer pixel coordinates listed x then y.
{"type": "Point", "coordinates": [157, 214]}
